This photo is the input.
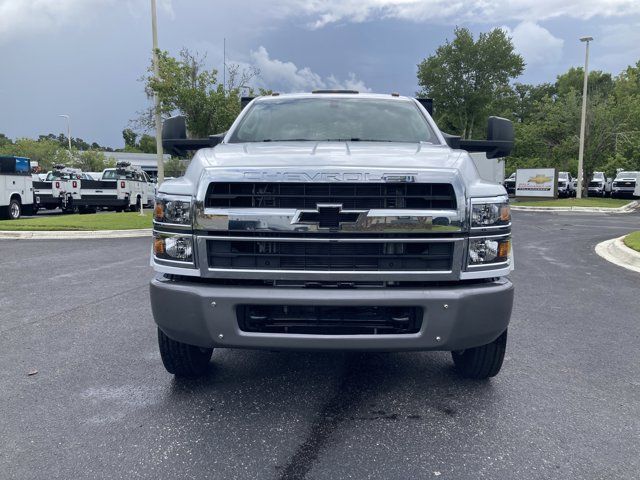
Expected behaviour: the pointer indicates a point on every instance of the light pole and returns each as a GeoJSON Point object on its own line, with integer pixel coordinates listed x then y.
{"type": "Point", "coordinates": [156, 99]}
{"type": "Point", "coordinates": [68, 129]}
{"type": "Point", "coordinates": [583, 119]}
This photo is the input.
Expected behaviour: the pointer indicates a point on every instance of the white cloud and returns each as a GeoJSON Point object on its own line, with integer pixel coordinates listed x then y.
{"type": "Point", "coordinates": [324, 12]}
{"type": "Point", "coordinates": [620, 44]}
{"type": "Point", "coordinates": [535, 43]}
{"type": "Point", "coordinates": [23, 17]}
{"type": "Point", "coordinates": [287, 76]}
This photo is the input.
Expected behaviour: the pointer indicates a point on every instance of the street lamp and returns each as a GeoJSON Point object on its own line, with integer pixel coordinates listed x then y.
{"type": "Point", "coordinates": [156, 99]}
{"type": "Point", "coordinates": [68, 129]}
{"type": "Point", "coordinates": [584, 116]}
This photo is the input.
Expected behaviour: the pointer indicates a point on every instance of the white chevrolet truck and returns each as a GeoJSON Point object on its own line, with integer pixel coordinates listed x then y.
{"type": "Point", "coordinates": [333, 220]}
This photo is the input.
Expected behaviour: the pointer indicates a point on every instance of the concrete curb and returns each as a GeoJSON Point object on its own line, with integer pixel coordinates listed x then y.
{"type": "Point", "coordinates": [74, 234]}
{"type": "Point", "coordinates": [629, 207]}
{"type": "Point", "coordinates": [615, 251]}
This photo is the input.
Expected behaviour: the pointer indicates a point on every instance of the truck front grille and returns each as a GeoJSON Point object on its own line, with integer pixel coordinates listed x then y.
{"type": "Point", "coordinates": [324, 320]}
{"type": "Point", "coordinates": [624, 184]}
{"type": "Point", "coordinates": [254, 254]}
{"type": "Point", "coordinates": [349, 195]}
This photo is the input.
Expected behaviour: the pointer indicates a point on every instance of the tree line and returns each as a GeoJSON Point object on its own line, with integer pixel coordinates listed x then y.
{"type": "Point", "coordinates": [470, 79]}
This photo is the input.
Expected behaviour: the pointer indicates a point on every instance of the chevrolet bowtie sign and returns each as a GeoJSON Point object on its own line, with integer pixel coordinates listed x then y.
{"type": "Point", "coordinates": [328, 216]}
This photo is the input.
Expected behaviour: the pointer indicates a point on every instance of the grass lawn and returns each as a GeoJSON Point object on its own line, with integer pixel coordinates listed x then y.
{"type": "Point", "coordinates": [633, 241]}
{"type": "Point", "coordinates": [98, 221]}
{"type": "Point", "coordinates": [573, 202]}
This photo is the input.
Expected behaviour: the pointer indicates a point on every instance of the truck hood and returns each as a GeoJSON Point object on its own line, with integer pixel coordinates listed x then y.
{"type": "Point", "coordinates": [330, 154]}
{"type": "Point", "coordinates": [427, 160]}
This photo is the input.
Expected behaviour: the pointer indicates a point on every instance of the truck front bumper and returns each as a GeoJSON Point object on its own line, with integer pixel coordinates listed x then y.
{"type": "Point", "coordinates": [455, 317]}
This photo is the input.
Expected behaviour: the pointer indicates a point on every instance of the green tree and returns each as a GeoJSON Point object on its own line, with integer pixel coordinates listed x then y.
{"type": "Point", "coordinates": [46, 152]}
{"type": "Point", "coordinates": [91, 161]}
{"type": "Point", "coordinates": [147, 144]}
{"type": "Point", "coordinates": [464, 77]}
{"type": "Point", "coordinates": [130, 138]}
{"type": "Point", "coordinates": [599, 83]}
{"type": "Point", "coordinates": [4, 140]}
{"type": "Point", "coordinates": [174, 167]}
{"type": "Point", "coordinates": [186, 86]}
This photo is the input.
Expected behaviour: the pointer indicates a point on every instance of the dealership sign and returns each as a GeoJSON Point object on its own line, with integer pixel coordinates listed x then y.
{"type": "Point", "coordinates": [536, 182]}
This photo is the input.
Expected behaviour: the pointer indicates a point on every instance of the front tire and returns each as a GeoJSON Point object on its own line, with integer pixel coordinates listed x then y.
{"type": "Point", "coordinates": [182, 359]}
{"type": "Point", "coordinates": [481, 362]}
{"type": "Point", "coordinates": [15, 209]}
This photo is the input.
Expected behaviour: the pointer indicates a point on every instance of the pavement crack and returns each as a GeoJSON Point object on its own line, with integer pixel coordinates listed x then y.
{"type": "Point", "coordinates": [333, 413]}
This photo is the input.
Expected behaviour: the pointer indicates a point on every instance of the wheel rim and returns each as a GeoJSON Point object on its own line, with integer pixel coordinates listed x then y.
{"type": "Point", "coordinates": [15, 210]}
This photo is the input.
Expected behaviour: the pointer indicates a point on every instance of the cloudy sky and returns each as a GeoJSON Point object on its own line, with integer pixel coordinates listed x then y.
{"type": "Point", "coordinates": [83, 57]}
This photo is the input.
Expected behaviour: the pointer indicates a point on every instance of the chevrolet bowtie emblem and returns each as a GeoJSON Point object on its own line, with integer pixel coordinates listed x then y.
{"type": "Point", "coordinates": [328, 216]}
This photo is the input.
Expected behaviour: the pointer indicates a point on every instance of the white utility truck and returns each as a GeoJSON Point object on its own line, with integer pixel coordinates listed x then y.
{"type": "Point", "coordinates": [16, 187]}
{"type": "Point", "coordinates": [122, 188]}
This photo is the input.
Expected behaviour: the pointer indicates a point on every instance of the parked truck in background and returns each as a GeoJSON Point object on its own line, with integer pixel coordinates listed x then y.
{"type": "Point", "coordinates": [565, 185]}
{"type": "Point", "coordinates": [510, 184]}
{"type": "Point", "coordinates": [599, 186]}
{"type": "Point", "coordinates": [625, 185]}
{"type": "Point", "coordinates": [16, 187]}
{"type": "Point", "coordinates": [333, 221]}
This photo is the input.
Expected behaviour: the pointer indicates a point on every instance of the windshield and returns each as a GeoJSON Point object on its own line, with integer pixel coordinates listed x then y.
{"type": "Point", "coordinates": [334, 119]}
{"type": "Point", "coordinates": [60, 176]}
{"type": "Point", "coordinates": [563, 175]}
{"type": "Point", "coordinates": [120, 175]}
{"type": "Point", "coordinates": [627, 174]}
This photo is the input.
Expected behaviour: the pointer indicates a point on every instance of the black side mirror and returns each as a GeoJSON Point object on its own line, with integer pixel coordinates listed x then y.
{"type": "Point", "coordinates": [500, 131]}
{"type": "Point", "coordinates": [174, 128]}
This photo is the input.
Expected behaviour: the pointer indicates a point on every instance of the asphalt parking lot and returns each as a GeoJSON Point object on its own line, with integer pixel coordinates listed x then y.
{"type": "Point", "coordinates": [566, 404]}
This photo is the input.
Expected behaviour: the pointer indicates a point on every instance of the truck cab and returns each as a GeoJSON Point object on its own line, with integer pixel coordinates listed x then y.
{"type": "Point", "coordinates": [333, 221]}
{"type": "Point", "coordinates": [16, 187]}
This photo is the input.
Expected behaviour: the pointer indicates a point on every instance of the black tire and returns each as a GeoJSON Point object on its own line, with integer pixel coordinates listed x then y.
{"type": "Point", "coordinates": [182, 359]}
{"type": "Point", "coordinates": [14, 210]}
{"type": "Point", "coordinates": [481, 362]}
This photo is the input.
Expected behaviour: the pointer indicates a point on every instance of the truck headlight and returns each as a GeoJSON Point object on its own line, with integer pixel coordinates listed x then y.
{"type": "Point", "coordinates": [173, 247]}
{"type": "Point", "coordinates": [174, 209]}
{"type": "Point", "coordinates": [485, 251]}
{"type": "Point", "coordinates": [490, 213]}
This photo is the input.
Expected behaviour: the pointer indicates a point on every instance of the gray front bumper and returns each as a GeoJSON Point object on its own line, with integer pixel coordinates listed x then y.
{"type": "Point", "coordinates": [455, 318]}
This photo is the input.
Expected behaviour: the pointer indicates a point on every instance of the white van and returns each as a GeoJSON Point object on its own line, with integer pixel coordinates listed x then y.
{"type": "Point", "coordinates": [16, 187]}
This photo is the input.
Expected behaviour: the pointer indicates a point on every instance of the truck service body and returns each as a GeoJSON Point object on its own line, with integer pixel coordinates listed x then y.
{"type": "Point", "coordinates": [120, 188]}
{"type": "Point", "coordinates": [16, 186]}
{"type": "Point", "coordinates": [384, 243]}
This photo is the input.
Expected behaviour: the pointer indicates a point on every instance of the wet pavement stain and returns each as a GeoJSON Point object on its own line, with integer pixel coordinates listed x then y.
{"type": "Point", "coordinates": [347, 396]}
